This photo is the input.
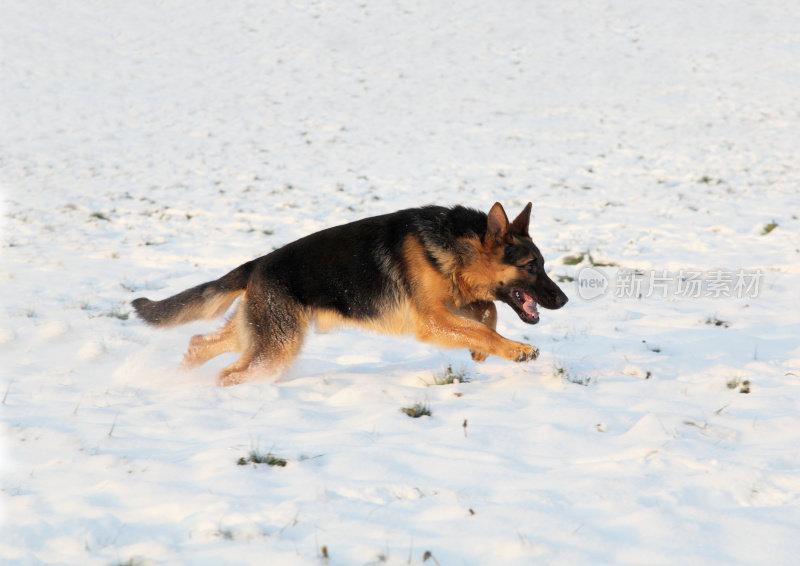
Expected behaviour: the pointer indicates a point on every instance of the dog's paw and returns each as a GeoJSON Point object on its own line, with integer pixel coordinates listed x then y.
{"type": "Point", "coordinates": [189, 361]}
{"type": "Point", "coordinates": [478, 356]}
{"type": "Point", "coordinates": [231, 378]}
{"type": "Point", "coordinates": [526, 352]}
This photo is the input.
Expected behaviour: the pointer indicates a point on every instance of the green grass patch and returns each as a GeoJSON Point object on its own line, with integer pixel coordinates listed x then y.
{"type": "Point", "coordinates": [769, 227]}
{"type": "Point", "coordinates": [579, 258]}
{"type": "Point", "coordinates": [256, 457]}
{"type": "Point", "coordinates": [742, 385]}
{"type": "Point", "coordinates": [597, 263]}
{"type": "Point", "coordinates": [574, 259]}
{"type": "Point", "coordinates": [714, 321]}
{"type": "Point", "coordinates": [449, 376]}
{"type": "Point", "coordinates": [563, 373]}
{"type": "Point", "coordinates": [417, 410]}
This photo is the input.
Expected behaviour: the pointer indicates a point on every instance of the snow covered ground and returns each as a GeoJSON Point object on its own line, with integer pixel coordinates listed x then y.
{"type": "Point", "coordinates": [146, 147]}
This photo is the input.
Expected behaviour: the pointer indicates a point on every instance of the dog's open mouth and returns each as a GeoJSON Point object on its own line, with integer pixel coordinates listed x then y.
{"type": "Point", "coordinates": [526, 310]}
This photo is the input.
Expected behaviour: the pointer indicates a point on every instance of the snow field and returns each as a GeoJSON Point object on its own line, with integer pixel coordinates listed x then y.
{"type": "Point", "coordinates": [146, 148]}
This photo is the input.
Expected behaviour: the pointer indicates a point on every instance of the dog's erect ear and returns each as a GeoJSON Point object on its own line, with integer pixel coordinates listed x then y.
{"type": "Point", "coordinates": [497, 225]}
{"type": "Point", "coordinates": [521, 222]}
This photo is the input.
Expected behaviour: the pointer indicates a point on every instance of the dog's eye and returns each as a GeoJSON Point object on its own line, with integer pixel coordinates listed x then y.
{"type": "Point", "coordinates": [532, 264]}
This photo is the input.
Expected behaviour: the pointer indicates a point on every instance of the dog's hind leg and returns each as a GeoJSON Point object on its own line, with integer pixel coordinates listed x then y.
{"type": "Point", "coordinates": [484, 312]}
{"type": "Point", "coordinates": [203, 347]}
{"type": "Point", "coordinates": [274, 335]}
{"type": "Point", "coordinates": [238, 372]}
{"type": "Point", "coordinates": [272, 363]}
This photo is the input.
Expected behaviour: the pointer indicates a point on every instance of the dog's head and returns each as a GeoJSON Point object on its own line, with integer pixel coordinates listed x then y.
{"type": "Point", "coordinates": [521, 280]}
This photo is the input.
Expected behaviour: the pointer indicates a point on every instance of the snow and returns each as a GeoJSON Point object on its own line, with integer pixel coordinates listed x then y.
{"type": "Point", "coordinates": [147, 147]}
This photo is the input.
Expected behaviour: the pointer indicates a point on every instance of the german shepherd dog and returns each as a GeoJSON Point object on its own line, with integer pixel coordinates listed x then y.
{"type": "Point", "coordinates": [431, 271]}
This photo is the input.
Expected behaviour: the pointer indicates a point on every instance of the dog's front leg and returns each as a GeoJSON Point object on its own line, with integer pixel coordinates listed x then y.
{"type": "Point", "coordinates": [484, 312]}
{"type": "Point", "coordinates": [443, 327]}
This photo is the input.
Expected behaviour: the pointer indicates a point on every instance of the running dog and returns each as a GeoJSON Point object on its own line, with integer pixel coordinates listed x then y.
{"type": "Point", "coordinates": [433, 272]}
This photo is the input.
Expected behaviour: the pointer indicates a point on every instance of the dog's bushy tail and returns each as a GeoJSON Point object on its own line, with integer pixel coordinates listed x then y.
{"type": "Point", "coordinates": [208, 300]}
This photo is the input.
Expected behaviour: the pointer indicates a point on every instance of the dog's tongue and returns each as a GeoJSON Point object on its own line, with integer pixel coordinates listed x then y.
{"type": "Point", "coordinates": [529, 306]}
